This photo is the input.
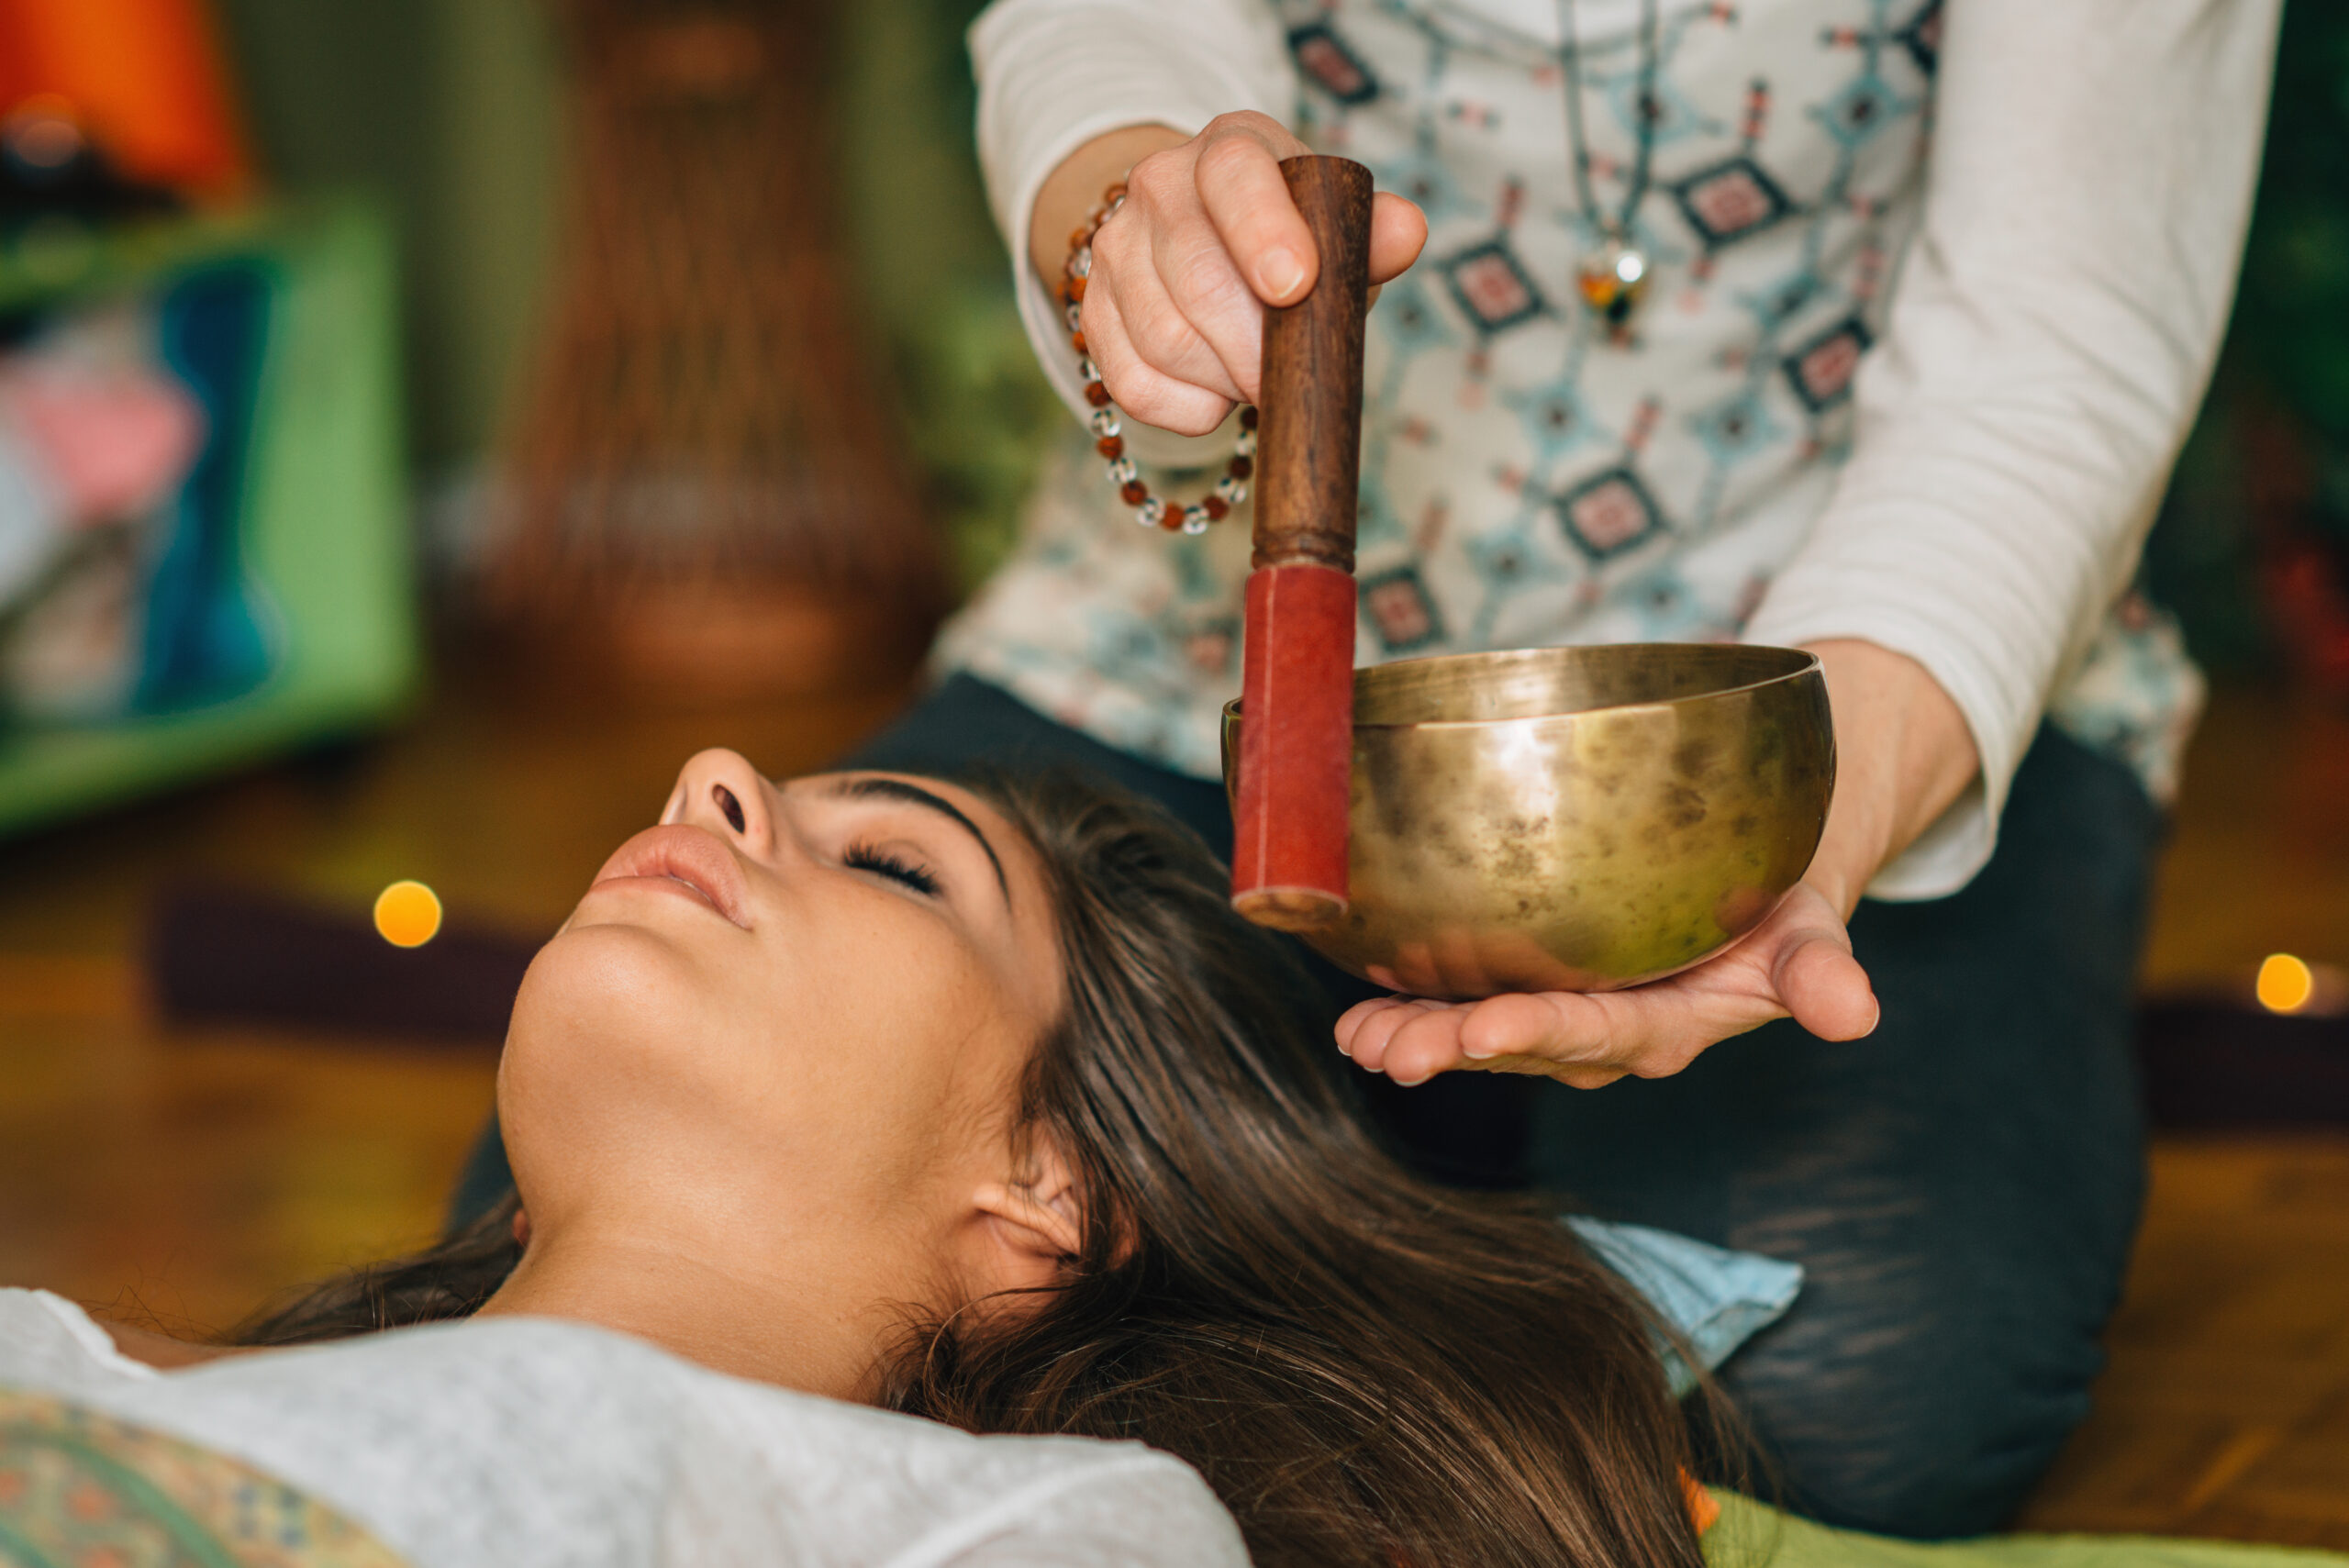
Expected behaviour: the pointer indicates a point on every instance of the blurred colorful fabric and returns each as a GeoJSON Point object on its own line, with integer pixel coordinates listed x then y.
{"type": "Point", "coordinates": [123, 436]}
{"type": "Point", "coordinates": [79, 1487]}
{"type": "Point", "coordinates": [144, 78]}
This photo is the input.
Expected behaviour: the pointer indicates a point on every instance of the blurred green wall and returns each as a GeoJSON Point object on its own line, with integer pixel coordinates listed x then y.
{"type": "Point", "coordinates": [977, 409]}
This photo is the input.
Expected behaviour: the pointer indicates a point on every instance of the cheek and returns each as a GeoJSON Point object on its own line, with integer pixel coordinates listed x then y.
{"type": "Point", "coordinates": [899, 1038]}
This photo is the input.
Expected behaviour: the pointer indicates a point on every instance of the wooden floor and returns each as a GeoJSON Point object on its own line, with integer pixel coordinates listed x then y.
{"type": "Point", "coordinates": [188, 1176]}
{"type": "Point", "coordinates": [2225, 1409]}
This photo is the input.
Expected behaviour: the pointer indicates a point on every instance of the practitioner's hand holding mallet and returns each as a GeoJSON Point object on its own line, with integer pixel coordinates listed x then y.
{"type": "Point", "coordinates": [1208, 236]}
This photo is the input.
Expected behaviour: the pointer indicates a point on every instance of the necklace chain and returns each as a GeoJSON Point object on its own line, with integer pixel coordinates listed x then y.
{"type": "Point", "coordinates": [1643, 111]}
{"type": "Point", "coordinates": [1613, 276]}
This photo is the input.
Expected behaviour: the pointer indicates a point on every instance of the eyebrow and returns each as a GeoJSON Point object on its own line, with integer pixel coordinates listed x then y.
{"type": "Point", "coordinates": [914, 794]}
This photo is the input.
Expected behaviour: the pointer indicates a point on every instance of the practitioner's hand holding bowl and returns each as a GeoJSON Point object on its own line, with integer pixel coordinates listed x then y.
{"type": "Point", "coordinates": [1904, 755]}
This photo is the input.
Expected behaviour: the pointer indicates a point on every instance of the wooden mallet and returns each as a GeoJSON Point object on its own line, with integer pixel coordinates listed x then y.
{"type": "Point", "coordinates": [1288, 859]}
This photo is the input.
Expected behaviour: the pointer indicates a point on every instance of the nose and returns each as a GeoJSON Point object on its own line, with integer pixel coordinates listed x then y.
{"type": "Point", "coordinates": [719, 789]}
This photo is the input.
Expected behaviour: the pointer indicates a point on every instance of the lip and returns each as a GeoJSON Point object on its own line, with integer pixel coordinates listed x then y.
{"type": "Point", "coordinates": [686, 855]}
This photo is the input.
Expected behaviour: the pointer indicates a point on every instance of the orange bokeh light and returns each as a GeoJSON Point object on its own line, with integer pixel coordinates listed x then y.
{"type": "Point", "coordinates": [2284, 983]}
{"type": "Point", "coordinates": [408, 914]}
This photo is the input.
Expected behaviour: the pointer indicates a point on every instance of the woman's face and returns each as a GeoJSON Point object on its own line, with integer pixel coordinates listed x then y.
{"type": "Point", "coordinates": [783, 1034]}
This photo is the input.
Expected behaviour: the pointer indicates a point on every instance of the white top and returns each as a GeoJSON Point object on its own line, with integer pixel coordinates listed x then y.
{"type": "Point", "coordinates": [505, 1444]}
{"type": "Point", "coordinates": [2034, 323]}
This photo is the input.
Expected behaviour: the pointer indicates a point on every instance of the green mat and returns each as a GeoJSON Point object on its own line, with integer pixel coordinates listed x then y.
{"type": "Point", "coordinates": [1753, 1535]}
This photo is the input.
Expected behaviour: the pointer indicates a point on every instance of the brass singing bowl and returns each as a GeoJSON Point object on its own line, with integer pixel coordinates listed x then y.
{"type": "Point", "coordinates": [1573, 819]}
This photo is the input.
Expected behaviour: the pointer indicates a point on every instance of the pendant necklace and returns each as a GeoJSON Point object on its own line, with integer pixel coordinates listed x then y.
{"type": "Point", "coordinates": [1613, 274]}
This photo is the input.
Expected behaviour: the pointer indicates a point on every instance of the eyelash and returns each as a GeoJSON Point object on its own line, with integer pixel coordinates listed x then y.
{"type": "Point", "coordinates": [865, 857]}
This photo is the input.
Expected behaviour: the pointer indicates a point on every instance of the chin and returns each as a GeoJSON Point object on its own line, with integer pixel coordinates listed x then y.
{"type": "Point", "coordinates": [607, 983]}
{"type": "Point", "coordinates": [609, 1042]}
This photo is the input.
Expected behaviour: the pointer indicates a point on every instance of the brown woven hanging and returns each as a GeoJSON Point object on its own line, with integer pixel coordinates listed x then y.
{"type": "Point", "coordinates": [703, 467]}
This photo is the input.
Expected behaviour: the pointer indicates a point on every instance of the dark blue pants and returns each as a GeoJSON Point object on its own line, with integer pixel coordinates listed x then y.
{"type": "Point", "coordinates": [1962, 1187]}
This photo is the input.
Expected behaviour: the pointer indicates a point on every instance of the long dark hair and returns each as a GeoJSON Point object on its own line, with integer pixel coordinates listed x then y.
{"type": "Point", "coordinates": [1365, 1367]}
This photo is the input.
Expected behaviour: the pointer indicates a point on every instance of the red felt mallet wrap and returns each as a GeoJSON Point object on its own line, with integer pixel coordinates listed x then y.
{"type": "Point", "coordinates": [1289, 861]}
{"type": "Point", "coordinates": [1289, 855]}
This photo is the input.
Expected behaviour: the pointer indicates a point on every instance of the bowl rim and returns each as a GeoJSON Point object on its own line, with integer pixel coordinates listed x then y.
{"type": "Point", "coordinates": [1810, 665]}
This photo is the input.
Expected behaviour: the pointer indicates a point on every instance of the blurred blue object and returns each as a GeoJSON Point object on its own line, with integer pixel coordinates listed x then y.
{"type": "Point", "coordinates": [203, 640]}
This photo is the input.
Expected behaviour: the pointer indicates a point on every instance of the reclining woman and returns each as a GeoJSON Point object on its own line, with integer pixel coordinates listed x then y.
{"type": "Point", "coordinates": [963, 1103]}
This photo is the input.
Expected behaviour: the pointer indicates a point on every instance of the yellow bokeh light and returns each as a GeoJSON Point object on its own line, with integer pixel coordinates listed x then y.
{"type": "Point", "coordinates": [2285, 983]}
{"type": "Point", "coordinates": [408, 914]}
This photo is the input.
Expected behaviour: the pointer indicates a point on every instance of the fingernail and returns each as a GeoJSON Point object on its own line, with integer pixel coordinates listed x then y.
{"type": "Point", "coordinates": [1473, 1054]}
{"type": "Point", "coordinates": [1278, 274]}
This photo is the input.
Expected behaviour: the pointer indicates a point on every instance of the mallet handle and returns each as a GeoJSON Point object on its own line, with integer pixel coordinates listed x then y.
{"type": "Point", "coordinates": [1308, 444]}
{"type": "Point", "coordinates": [1289, 862]}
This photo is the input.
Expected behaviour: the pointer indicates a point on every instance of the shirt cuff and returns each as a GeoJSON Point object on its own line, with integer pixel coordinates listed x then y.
{"type": "Point", "coordinates": [1947, 854]}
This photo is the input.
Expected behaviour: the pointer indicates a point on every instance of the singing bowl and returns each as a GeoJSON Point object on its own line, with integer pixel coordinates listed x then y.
{"type": "Point", "coordinates": [1573, 819]}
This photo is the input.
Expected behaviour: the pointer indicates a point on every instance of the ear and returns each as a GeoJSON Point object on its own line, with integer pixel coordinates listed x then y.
{"type": "Point", "coordinates": [522, 1227]}
{"type": "Point", "coordinates": [1035, 1219]}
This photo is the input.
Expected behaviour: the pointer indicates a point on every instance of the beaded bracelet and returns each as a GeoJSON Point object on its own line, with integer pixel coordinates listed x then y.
{"type": "Point", "coordinates": [1149, 511]}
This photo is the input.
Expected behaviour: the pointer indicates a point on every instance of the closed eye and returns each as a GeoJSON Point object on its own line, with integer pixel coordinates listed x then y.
{"type": "Point", "coordinates": [881, 863]}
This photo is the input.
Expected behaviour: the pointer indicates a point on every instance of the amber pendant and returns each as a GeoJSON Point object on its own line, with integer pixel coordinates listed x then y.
{"type": "Point", "coordinates": [1614, 278]}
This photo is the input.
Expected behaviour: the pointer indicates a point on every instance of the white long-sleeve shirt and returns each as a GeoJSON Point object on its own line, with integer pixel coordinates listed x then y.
{"type": "Point", "coordinates": [2033, 314]}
